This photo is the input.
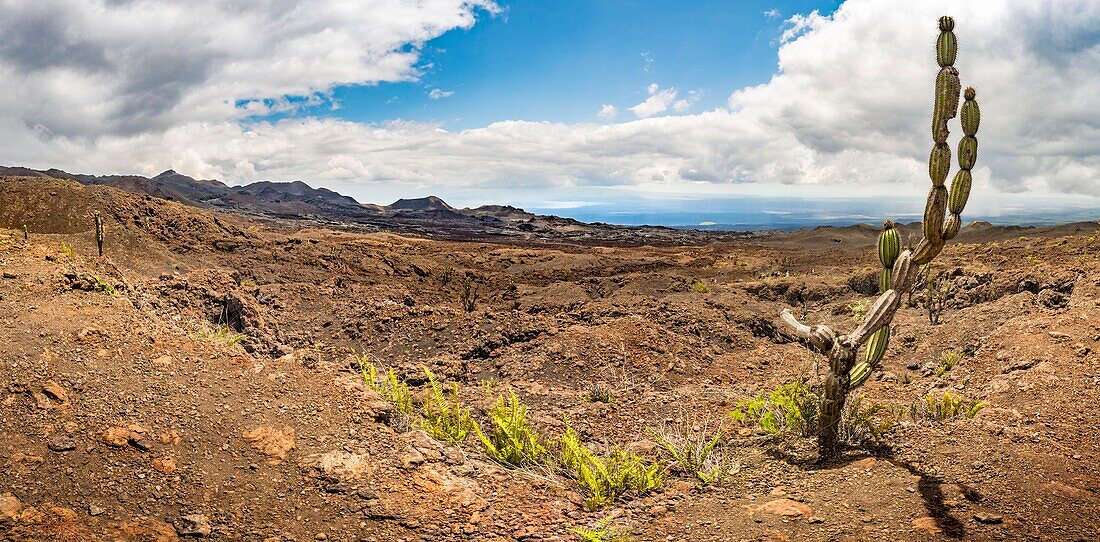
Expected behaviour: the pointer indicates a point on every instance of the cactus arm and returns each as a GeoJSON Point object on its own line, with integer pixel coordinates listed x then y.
{"type": "Point", "coordinates": [820, 336]}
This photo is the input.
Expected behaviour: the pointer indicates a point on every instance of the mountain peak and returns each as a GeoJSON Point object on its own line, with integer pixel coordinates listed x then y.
{"type": "Point", "coordinates": [429, 203]}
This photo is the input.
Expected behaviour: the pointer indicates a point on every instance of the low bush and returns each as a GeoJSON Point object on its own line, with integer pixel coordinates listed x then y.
{"type": "Point", "coordinates": [790, 408]}
{"type": "Point", "coordinates": [444, 416]}
{"type": "Point", "coordinates": [603, 531]}
{"type": "Point", "coordinates": [696, 453]}
{"type": "Point", "coordinates": [603, 479]}
{"type": "Point", "coordinates": [511, 440]}
{"type": "Point", "coordinates": [946, 406]}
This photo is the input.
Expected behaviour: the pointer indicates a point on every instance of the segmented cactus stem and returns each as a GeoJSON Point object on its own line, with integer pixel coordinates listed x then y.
{"type": "Point", "coordinates": [99, 232]}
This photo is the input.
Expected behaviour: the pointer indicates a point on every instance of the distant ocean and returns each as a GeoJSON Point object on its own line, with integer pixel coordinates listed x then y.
{"type": "Point", "coordinates": [770, 213]}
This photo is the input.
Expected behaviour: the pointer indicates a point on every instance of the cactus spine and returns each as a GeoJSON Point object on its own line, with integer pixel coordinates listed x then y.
{"type": "Point", "coordinates": [900, 268]}
{"type": "Point", "coordinates": [99, 232]}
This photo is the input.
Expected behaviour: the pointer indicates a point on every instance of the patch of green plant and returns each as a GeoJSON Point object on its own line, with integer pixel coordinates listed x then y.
{"type": "Point", "coordinates": [444, 416]}
{"type": "Point", "coordinates": [791, 408]}
{"type": "Point", "coordinates": [948, 360]}
{"type": "Point", "coordinates": [859, 308]}
{"type": "Point", "coordinates": [603, 531]}
{"type": "Point", "coordinates": [221, 334]}
{"type": "Point", "coordinates": [946, 406]}
{"type": "Point", "coordinates": [860, 424]}
{"type": "Point", "coordinates": [511, 439]}
{"type": "Point", "coordinates": [700, 288]}
{"type": "Point", "coordinates": [389, 386]}
{"type": "Point", "coordinates": [696, 453]}
{"type": "Point", "coordinates": [1033, 259]}
{"type": "Point", "coordinates": [102, 286]}
{"type": "Point", "coordinates": [603, 479]}
{"type": "Point", "coordinates": [66, 249]}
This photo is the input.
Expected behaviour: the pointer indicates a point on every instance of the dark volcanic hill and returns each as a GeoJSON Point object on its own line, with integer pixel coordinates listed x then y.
{"type": "Point", "coordinates": [429, 216]}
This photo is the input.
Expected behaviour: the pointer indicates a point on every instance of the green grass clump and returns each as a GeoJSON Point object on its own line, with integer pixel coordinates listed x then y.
{"type": "Point", "coordinates": [860, 424]}
{"type": "Point", "coordinates": [390, 387]}
{"type": "Point", "coordinates": [695, 453]}
{"type": "Point", "coordinates": [858, 309]}
{"type": "Point", "coordinates": [223, 335]}
{"type": "Point", "coordinates": [511, 440]}
{"type": "Point", "coordinates": [603, 531]}
{"type": "Point", "coordinates": [444, 417]}
{"type": "Point", "coordinates": [700, 288]}
{"type": "Point", "coordinates": [603, 479]}
{"type": "Point", "coordinates": [947, 406]}
{"type": "Point", "coordinates": [790, 408]}
{"type": "Point", "coordinates": [66, 250]}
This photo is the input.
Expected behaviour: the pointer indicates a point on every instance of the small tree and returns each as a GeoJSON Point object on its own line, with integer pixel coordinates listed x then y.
{"type": "Point", "coordinates": [937, 289]}
{"type": "Point", "coordinates": [899, 266]}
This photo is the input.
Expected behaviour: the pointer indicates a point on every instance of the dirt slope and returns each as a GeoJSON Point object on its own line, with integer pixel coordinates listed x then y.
{"type": "Point", "coordinates": [125, 418]}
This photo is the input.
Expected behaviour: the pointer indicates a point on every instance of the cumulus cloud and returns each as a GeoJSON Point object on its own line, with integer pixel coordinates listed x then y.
{"type": "Point", "coordinates": [608, 112]}
{"type": "Point", "coordinates": [437, 94]}
{"type": "Point", "coordinates": [847, 110]}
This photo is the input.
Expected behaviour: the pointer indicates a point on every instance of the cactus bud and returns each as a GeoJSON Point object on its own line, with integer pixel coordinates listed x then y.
{"type": "Point", "coordinates": [947, 24]}
{"type": "Point", "coordinates": [946, 49]}
{"type": "Point", "coordinates": [971, 115]}
{"type": "Point", "coordinates": [889, 245]}
{"type": "Point", "coordinates": [939, 164]}
{"type": "Point", "coordinates": [968, 152]}
{"type": "Point", "coordinates": [960, 191]}
{"type": "Point", "coordinates": [951, 227]}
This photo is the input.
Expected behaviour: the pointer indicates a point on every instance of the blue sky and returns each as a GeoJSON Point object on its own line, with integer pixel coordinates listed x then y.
{"type": "Point", "coordinates": [561, 60]}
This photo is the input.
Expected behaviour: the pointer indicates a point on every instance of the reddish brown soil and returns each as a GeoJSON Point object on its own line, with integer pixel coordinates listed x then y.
{"type": "Point", "coordinates": [118, 418]}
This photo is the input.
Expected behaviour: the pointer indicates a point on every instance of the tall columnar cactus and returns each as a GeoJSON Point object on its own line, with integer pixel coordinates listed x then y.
{"type": "Point", "coordinates": [900, 266]}
{"type": "Point", "coordinates": [99, 232]}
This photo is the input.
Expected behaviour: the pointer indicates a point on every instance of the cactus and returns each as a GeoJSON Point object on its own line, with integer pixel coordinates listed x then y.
{"type": "Point", "coordinates": [99, 233]}
{"type": "Point", "coordinates": [901, 267]}
{"type": "Point", "coordinates": [26, 234]}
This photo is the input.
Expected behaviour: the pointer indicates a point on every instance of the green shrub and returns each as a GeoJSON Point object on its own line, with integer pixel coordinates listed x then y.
{"type": "Point", "coordinates": [859, 308]}
{"type": "Point", "coordinates": [603, 479]}
{"type": "Point", "coordinates": [67, 250]}
{"type": "Point", "coordinates": [700, 288]}
{"type": "Point", "coordinates": [512, 440]}
{"type": "Point", "coordinates": [444, 417]}
{"type": "Point", "coordinates": [790, 408]}
{"type": "Point", "coordinates": [224, 335]}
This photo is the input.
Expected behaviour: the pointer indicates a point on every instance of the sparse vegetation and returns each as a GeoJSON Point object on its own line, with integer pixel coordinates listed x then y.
{"type": "Point", "coordinates": [946, 406]}
{"type": "Point", "coordinates": [700, 287]}
{"type": "Point", "coordinates": [863, 424]}
{"type": "Point", "coordinates": [603, 479]}
{"type": "Point", "coordinates": [469, 295]}
{"type": "Point", "coordinates": [512, 440]}
{"type": "Point", "coordinates": [948, 360]}
{"type": "Point", "coordinates": [221, 334]}
{"type": "Point", "coordinates": [104, 287]}
{"type": "Point", "coordinates": [937, 290]}
{"type": "Point", "coordinates": [1033, 259]}
{"type": "Point", "coordinates": [444, 416]}
{"type": "Point", "coordinates": [66, 250]}
{"type": "Point", "coordinates": [858, 309]}
{"type": "Point", "coordinates": [603, 531]}
{"type": "Point", "coordinates": [598, 392]}
{"type": "Point", "coordinates": [696, 452]}
{"type": "Point", "coordinates": [393, 389]}
{"type": "Point", "coordinates": [791, 408]}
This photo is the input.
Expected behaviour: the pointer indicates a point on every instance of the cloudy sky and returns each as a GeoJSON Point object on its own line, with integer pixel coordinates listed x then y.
{"type": "Point", "coordinates": [553, 105]}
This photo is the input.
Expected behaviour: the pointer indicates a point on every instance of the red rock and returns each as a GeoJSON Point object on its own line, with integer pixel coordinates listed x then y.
{"type": "Point", "coordinates": [785, 507]}
{"type": "Point", "coordinates": [271, 442]}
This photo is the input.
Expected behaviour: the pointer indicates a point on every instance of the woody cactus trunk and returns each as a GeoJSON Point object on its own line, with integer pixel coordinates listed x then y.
{"type": "Point", "coordinates": [899, 271]}
{"type": "Point", "coordinates": [99, 232]}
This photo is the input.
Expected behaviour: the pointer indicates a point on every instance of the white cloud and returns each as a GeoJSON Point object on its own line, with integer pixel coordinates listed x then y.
{"type": "Point", "coordinates": [772, 13]}
{"type": "Point", "coordinates": [658, 101]}
{"type": "Point", "coordinates": [437, 94]}
{"type": "Point", "coordinates": [608, 112]}
{"type": "Point", "coordinates": [846, 113]}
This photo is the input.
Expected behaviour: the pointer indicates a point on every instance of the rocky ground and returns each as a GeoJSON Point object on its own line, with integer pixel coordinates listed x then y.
{"type": "Point", "coordinates": [128, 417]}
